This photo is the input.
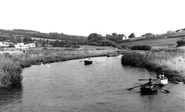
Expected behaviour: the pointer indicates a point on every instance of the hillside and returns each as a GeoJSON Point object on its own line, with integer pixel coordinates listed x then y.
{"type": "Point", "coordinates": [166, 39]}
{"type": "Point", "coordinates": [21, 33]}
{"type": "Point", "coordinates": [154, 42]}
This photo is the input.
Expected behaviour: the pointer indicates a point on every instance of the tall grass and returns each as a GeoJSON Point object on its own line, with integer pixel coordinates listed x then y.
{"type": "Point", "coordinates": [10, 72]}
{"type": "Point", "coordinates": [34, 57]}
{"type": "Point", "coordinates": [170, 61]}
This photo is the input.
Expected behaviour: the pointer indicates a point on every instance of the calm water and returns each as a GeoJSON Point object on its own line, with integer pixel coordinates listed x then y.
{"type": "Point", "coordinates": [101, 87]}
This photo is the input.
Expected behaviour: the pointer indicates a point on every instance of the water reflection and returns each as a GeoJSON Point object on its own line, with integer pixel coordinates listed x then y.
{"type": "Point", "coordinates": [10, 96]}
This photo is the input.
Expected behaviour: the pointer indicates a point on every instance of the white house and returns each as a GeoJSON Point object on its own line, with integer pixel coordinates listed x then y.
{"type": "Point", "coordinates": [30, 45]}
{"type": "Point", "coordinates": [24, 46]}
{"type": "Point", "coordinates": [125, 38]}
{"type": "Point", "coordinates": [5, 44]}
{"type": "Point", "coordinates": [169, 32]}
{"type": "Point", "coordinates": [20, 46]}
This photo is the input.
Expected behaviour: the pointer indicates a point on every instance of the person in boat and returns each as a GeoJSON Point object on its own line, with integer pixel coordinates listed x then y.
{"type": "Point", "coordinates": [150, 83]}
{"type": "Point", "coordinates": [160, 76]}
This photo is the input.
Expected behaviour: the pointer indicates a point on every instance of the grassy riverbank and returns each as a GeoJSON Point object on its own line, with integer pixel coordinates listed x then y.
{"type": "Point", "coordinates": [11, 65]}
{"type": "Point", "coordinates": [170, 61]}
{"type": "Point", "coordinates": [10, 72]}
{"type": "Point", "coordinates": [36, 57]}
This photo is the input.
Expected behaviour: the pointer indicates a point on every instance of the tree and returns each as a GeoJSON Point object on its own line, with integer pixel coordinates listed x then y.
{"type": "Point", "coordinates": [116, 38]}
{"type": "Point", "coordinates": [27, 39]}
{"type": "Point", "coordinates": [148, 35]}
{"type": "Point", "coordinates": [94, 39]}
{"type": "Point", "coordinates": [132, 35]}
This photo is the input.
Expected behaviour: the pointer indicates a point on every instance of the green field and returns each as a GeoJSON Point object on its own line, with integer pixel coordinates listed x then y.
{"type": "Point", "coordinates": [169, 42]}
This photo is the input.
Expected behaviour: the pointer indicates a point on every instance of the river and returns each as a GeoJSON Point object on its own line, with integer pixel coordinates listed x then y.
{"type": "Point", "coordinates": [101, 87]}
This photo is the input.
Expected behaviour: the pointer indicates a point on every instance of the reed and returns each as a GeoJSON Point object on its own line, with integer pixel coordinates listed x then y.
{"type": "Point", "coordinates": [35, 57]}
{"type": "Point", "coordinates": [10, 73]}
{"type": "Point", "coordinates": [170, 61]}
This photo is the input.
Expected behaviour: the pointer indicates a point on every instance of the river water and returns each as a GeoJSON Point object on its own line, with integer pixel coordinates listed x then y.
{"type": "Point", "coordinates": [101, 87]}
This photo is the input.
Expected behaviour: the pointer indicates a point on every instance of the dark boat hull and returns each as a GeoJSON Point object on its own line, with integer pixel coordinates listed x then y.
{"type": "Point", "coordinates": [149, 89]}
{"type": "Point", "coordinates": [88, 62]}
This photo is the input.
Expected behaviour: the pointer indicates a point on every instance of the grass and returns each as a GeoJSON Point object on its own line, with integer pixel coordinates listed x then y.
{"type": "Point", "coordinates": [170, 42]}
{"type": "Point", "coordinates": [170, 61]}
{"type": "Point", "coordinates": [10, 72]}
{"type": "Point", "coordinates": [34, 57]}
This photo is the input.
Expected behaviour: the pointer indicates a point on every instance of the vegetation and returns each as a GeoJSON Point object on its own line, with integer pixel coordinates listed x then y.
{"type": "Point", "coordinates": [141, 47]}
{"type": "Point", "coordinates": [181, 42]}
{"type": "Point", "coordinates": [10, 72]}
{"type": "Point", "coordinates": [170, 61]}
{"type": "Point", "coordinates": [132, 35]}
{"type": "Point", "coordinates": [33, 57]}
{"type": "Point", "coordinates": [108, 40]}
{"type": "Point", "coordinates": [19, 35]}
{"type": "Point", "coordinates": [169, 42]}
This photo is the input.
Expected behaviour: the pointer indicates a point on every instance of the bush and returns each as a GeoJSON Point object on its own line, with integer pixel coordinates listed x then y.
{"type": "Point", "coordinates": [123, 47]}
{"type": "Point", "coordinates": [141, 47]}
{"type": "Point", "coordinates": [107, 43]}
{"type": "Point", "coordinates": [135, 59]}
{"type": "Point", "coordinates": [181, 42]}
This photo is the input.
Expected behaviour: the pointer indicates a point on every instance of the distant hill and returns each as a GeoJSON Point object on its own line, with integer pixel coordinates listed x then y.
{"type": "Point", "coordinates": [24, 31]}
{"type": "Point", "coordinates": [45, 36]}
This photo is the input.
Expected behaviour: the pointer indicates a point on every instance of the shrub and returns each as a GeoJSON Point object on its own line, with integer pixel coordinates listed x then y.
{"type": "Point", "coordinates": [123, 47]}
{"type": "Point", "coordinates": [135, 59]}
{"type": "Point", "coordinates": [141, 47]}
{"type": "Point", "coordinates": [107, 43]}
{"type": "Point", "coordinates": [181, 42]}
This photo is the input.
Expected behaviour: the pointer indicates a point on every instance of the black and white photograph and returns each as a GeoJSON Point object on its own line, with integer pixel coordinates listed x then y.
{"type": "Point", "coordinates": [92, 56]}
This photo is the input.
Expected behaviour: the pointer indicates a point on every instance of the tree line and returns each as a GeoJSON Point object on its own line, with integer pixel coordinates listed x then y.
{"type": "Point", "coordinates": [63, 39]}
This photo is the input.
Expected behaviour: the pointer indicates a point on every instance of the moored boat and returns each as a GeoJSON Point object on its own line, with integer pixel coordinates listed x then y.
{"type": "Point", "coordinates": [149, 89]}
{"type": "Point", "coordinates": [162, 82]}
{"type": "Point", "coordinates": [88, 62]}
{"type": "Point", "coordinates": [114, 54]}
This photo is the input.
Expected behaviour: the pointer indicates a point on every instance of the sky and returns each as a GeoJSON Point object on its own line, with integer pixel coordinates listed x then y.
{"type": "Point", "coordinates": [83, 17]}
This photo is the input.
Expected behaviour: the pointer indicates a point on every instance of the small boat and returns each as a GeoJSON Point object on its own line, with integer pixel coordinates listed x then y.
{"type": "Point", "coordinates": [162, 82]}
{"type": "Point", "coordinates": [114, 54]}
{"type": "Point", "coordinates": [149, 89]}
{"type": "Point", "coordinates": [161, 79]}
{"type": "Point", "coordinates": [88, 62]}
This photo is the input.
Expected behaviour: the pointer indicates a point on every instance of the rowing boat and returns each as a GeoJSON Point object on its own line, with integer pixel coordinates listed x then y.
{"type": "Point", "coordinates": [161, 82]}
{"type": "Point", "coordinates": [88, 62]}
{"type": "Point", "coordinates": [149, 89]}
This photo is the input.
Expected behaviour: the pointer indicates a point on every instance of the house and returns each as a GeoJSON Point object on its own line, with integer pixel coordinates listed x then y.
{"type": "Point", "coordinates": [20, 46]}
{"type": "Point", "coordinates": [5, 44]}
{"type": "Point", "coordinates": [24, 46]}
{"type": "Point", "coordinates": [125, 38]}
{"type": "Point", "coordinates": [30, 45]}
{"type": "Point", "coordinates": [170, 32]}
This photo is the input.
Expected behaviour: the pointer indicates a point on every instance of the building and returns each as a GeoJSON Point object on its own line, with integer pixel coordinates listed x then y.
{"type": "Point", "coordinates": [169, 32]}
{"type": "Point", "coordinates": [5, 44]}
{"type": "Point", "coordinates": [24, 46]}
{"type": "Point", "coordinates": [31, 45]}
{"type": "Point", "coordinates": [20, 46]}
